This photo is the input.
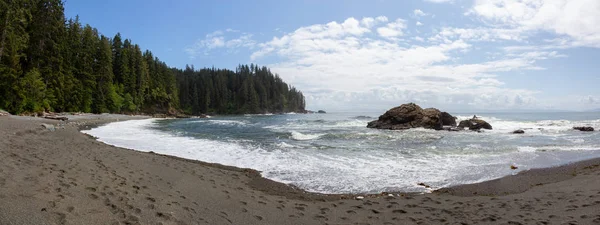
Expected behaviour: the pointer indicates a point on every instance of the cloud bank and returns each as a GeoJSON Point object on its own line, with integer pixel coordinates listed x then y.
{"type": "Point", "coordinates": [373, 63]}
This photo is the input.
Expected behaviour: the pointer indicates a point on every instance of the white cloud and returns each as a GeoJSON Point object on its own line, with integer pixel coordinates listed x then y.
{"type": "Point", "coordinates": [393, 29]}
{"type": "Point", "coordinates": [217, 40]}
{"type": "Point", "coordinates": [576, 19]}
{"type": "Point", "coordinates": [479, 34]}
{"type": "Point", "coordinates": [337, 67]}
{"type": "Point", "coordinates": [419, 13]}
{"type": "Point", "coordinates": [377, 63]}
{"type": "Point", "coordinates": [590, 100]}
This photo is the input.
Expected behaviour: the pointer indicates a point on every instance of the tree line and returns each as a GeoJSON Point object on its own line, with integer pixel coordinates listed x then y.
{"type": "Point", "coordinates": [49, 63]}
{"type": "Point", "coordinates": [249, 89]}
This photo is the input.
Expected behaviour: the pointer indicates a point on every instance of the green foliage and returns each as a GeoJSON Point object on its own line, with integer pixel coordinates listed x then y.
{"type": "Point", "coordinates": [128, 104]}
{"type": "Point", "coordinates": [33, 88]}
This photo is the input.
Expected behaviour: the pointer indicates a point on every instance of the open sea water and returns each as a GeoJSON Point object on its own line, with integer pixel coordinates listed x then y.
{"type": "Point", "coordinates": [336, 153]}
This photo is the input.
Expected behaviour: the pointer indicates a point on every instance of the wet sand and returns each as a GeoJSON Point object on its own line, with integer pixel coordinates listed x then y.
{"type": "Point", "coordinates": [66, 177]}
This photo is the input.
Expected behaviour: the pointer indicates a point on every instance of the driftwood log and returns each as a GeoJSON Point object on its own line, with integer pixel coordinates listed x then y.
{"type": "Point", "coordinates": [61, 118]}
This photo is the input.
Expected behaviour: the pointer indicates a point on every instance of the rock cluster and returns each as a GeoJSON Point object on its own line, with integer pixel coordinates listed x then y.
{"type": "Point", "coordinates": [411, 115]}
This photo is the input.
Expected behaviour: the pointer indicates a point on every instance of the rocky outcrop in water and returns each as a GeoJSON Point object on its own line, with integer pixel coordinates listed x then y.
{"type": "Point", "coordinates": [321, 111]}
{"type": "Point", "coordinates": [412, 115]}
{"type": "Point", "coordinates": [475, 124]}
{"type": "Point", "coordinates": [448, 120]}
{"type": "Point", "coordinates": [584, 128]}
{"type": "Point", "coordinates": [518, 132]}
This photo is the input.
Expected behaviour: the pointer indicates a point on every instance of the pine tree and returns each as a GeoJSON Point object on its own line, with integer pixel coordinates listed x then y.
{"type": "Point", "coordinates": [106, 99]}
{"type": "Point", "coordinates": [15, 17]}
{"type": "Point", "coordinates": [47, 33]}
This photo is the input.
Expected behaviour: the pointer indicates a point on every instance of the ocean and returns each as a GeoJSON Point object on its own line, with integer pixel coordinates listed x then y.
{"type": "Point", "coordinates": [336, 153]}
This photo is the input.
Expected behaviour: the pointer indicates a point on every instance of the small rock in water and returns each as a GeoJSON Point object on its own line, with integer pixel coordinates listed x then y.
{"type": "Point", "coordinates": [359, 198]}
{"type": "Point", "coordinates": [424, 185]}
{"type": "Point", "coordinates": [584, 128]}
{"type": "Point", "coordinates": [513, 167]}
{"type": "Point", "coordinates": [518, 132]}
{"type": "Point", "coordinates": [49, 127]}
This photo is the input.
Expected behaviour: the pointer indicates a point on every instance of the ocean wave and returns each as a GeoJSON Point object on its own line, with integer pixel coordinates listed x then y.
{"type": "Point", "coordinates": [320, 123]}
{"type": "Point", "coordinates": [264, 114]}
{"type": "Point", "coordinates": [361, 117]}
{"type": "Point", "coordinates": [541, 127]}
{"type": "Point", "coordinates": [304, 137]}
{"type": "Point", "coordinates": [223, 122]}
{"type": "Point", "coordinates": [285, 145]}
{"type": "Point", "coordinates": [320, 160]}
{"type": "Point", "coordinates": [559, 148]}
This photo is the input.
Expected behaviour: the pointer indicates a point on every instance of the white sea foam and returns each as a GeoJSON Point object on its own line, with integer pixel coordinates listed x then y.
{"type": "Point", "coordinates": [543, 127]}
{"type": "Point", "coordinates": [339, 170]}
{"type": "Point", "coordinates": [295, 124]}
{"type": "Point", "coordinates": [304, 137]}
{"type": "Point", "coordinates": [285, 145]}
{"type": "Point", "coordinates": [559, 148]}
{"type": "Point", "coordinates": [223, 122]}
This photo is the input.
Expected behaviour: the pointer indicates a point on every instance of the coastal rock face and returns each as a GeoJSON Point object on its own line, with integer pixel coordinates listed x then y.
{"type": "Point", "coordinates": [475, 124]}
{"type": "Point", "coordinates": [448, 120]}
{"type": "Point", "coordinates": [584, 128]}
{"type": "Point", "coordinates": [411, 115]}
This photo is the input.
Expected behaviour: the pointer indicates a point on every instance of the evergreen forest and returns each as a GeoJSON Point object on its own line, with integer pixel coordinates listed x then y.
{"type": "Point", "coordinates": [51, 64]}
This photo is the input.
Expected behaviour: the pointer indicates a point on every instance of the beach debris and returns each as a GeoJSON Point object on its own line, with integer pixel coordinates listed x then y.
{"type": "Point", "coordinates": [513, 167]}
{"type": "Point", "coordinates": [49, 127]}
{"type": "Point", "coordinates": [518, 132]}
{"type": "Point", "coordinates": [424, 185]}
{"type": "Point", "coordinates": [390, 195]}
{"type": "Point", "coordinates": [359, 198]}
{"type": "Point", "coordinates": [584, 128]}
{"type": "Point", "coordinates": [61, 118]}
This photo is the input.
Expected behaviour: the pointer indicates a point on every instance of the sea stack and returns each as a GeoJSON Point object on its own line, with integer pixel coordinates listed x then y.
{"type": "Point", "coordinates": [475, 124]}
{"type": "Point", "coordinates": [412, 115]}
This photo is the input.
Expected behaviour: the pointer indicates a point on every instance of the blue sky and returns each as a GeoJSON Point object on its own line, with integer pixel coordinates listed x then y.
{"type": "Point", "coordinates": [458, 55]}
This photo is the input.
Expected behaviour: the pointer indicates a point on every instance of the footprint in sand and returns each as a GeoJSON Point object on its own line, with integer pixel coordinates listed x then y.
{"type": "Point", "coordinates": [93, 196]}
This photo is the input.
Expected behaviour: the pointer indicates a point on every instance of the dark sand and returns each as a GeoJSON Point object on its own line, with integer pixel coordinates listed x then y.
{"type": "Point", "coordinates": [66, 177]}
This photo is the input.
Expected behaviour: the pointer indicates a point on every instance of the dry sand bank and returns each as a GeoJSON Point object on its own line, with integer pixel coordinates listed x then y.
{"type": "Point", "coordinates": [66, 177]}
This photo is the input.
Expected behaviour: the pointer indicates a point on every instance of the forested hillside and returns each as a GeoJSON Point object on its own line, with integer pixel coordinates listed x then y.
{"type": "Point", "coordinates": [51, 64]}
{"type": "Point", "coordinates": [48, 63]}
{"type": "Point", "coordinates": [249, 89]}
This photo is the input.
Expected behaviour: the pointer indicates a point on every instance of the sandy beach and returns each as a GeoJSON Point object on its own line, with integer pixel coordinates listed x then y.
{"type": "Point", "coordinates": [59, 175]}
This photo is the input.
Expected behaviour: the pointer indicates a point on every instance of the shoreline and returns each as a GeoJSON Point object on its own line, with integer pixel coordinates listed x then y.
{"type": "Point", "coordinates": [239, 185]}
{"type": "Point", "coordinates": [505, 185]}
